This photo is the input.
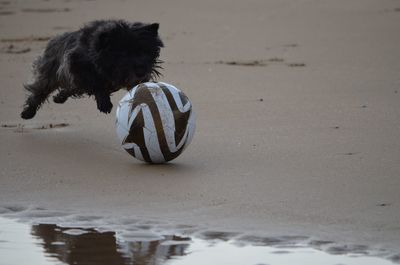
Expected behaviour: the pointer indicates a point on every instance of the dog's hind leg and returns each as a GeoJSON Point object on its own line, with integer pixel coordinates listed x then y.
{"type": "Point", "coordinates": [40, 90]}
{"type": "Point", "coordinates": [45, 83]}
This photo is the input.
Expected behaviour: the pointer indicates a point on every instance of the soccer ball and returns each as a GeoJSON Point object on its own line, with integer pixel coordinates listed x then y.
{"type": "Point", "coordinates": [155, 122]}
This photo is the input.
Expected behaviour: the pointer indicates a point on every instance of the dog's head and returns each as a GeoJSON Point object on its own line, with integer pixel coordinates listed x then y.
{"type": "Point", "coordinates": [126, 54]}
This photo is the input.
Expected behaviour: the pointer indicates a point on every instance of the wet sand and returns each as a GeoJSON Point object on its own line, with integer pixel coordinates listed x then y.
{"type": "Point", "coordinates": [298, 119]}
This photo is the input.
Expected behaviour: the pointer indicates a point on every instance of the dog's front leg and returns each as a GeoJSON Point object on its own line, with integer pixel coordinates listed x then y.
{"type": "Point", "coordinates": [63, 95]}
{"type": "Point", "coordinates": [103, 101]}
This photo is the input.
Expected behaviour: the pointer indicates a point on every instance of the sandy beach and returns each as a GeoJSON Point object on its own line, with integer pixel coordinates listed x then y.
{"type": "Point", "coordinates": [298, 119]}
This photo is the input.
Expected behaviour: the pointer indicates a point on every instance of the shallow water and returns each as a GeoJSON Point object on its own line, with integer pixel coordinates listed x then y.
{"type": "Point", "coordinates": [48, 244]}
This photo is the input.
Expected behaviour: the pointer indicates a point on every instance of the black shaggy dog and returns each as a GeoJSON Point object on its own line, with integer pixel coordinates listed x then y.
{"type": "Point", "coordinates": [99, 59]}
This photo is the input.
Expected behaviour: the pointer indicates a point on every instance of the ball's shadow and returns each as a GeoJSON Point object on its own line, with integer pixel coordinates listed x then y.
{"type": "Point", "coordinates": [166, 168]}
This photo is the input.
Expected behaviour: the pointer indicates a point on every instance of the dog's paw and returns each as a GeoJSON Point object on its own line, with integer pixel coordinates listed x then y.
{"type": "Point", "coordinates": [28, 113]}
{"type": "Point", "coordinates": [59, 98]}
{"type": "Point", "coordinates": [104, 106]}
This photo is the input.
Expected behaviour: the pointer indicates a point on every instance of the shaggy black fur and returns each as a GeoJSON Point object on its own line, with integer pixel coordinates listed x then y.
{"type": "Point", "coordinates": [99, 59]}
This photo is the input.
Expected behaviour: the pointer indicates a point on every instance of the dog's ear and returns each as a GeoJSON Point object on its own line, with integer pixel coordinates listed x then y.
{"type": "Point", "coordinates": [152, 28]}
{"type": "Point", "coordinates": [152, 31]}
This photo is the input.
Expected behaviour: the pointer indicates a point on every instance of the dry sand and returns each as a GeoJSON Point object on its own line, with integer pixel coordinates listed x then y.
{"type": "Point", "coordinates": [298, 106]}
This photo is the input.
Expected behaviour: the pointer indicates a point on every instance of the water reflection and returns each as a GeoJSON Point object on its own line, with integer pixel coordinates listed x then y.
{"type": "Point", "coordinates": [52, 245]}
{"type": "Point", "coordinates": [88, 246]}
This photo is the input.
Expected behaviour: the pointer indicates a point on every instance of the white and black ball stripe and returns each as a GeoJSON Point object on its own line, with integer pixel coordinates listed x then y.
{"type": "Point", "coordinates": [155, 122]}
